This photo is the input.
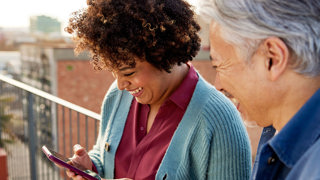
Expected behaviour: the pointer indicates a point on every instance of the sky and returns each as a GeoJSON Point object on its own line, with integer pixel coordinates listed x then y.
{"type": "Point", "coordinates": [16, 13]}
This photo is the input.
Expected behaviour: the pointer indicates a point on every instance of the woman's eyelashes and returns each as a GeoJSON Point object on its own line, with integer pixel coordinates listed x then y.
{"type": "Point", "coordinates": [129, 74]}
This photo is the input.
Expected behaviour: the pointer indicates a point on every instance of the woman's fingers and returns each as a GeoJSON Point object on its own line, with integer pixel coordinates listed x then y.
{"type": "Point", "coordinates": [72, 175]}
{"type": "Point", "coordinates": [81, 157]}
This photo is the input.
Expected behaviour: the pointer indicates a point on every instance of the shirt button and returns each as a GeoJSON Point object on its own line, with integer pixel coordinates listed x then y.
{"type": "Point", "coordinates": [141, 128]}
{"type": "Point", "coordinates": [107, 146]}
{"type": "Point", "coordinates": [271, 160]}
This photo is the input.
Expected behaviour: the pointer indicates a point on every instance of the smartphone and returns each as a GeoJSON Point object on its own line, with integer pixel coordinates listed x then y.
{"type": "Point", "coordinates": [66, 163]}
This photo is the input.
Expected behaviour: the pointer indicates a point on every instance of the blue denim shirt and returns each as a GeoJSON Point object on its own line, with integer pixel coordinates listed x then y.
{"type": "Point", "coordinates": [294, 153]}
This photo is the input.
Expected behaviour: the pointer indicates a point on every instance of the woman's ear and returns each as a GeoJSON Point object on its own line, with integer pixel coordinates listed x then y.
{"type": "Point", "coordinates": [277, 57]}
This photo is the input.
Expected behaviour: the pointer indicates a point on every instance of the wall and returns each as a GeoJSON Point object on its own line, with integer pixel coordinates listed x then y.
{"type": "Point", "coordinates": [80, 84]}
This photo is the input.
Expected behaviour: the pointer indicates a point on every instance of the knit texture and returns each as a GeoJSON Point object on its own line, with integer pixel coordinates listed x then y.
{"type": "Point", "coordinates": [210, 142]}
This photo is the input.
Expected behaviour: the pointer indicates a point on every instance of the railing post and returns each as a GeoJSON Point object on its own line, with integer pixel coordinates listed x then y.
{"type": "Point", "coordinates": [55, 137]}
{"type": "Point", "coordinates": [32, 137]}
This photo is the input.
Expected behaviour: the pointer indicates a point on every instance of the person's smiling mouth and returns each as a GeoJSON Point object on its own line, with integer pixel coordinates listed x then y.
{"type": "Point", "coordinates": [232, 98]}
{"type": "Point", "coordinates": [135, 92]}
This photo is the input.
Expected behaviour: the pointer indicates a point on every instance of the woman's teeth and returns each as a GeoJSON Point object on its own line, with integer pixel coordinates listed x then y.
{"type": "Point", "coordinates": [136, 91]}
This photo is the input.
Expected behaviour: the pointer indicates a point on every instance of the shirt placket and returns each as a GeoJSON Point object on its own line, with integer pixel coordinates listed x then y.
{"type": "Point", "coordinates": [269, 164]}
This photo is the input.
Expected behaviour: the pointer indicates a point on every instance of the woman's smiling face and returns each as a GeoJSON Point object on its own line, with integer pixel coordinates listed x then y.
{"type": "Point", "coordinates": [146, 83]}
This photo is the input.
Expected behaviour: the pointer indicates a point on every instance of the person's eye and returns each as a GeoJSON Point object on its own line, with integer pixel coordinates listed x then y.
{"type": "Point", "coordinates": [214, 62]}
{"type": "Point", "coordinates": [213, 59]}
{"type": "Point", "coordinates": [129, 74]}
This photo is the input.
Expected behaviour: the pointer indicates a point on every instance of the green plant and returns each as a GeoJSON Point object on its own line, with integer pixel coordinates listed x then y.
{"type": "Point", "coordinates": [5, 118]}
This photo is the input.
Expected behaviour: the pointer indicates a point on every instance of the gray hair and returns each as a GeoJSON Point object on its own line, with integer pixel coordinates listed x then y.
{"type": "Point", "coordinates": [249, 22]}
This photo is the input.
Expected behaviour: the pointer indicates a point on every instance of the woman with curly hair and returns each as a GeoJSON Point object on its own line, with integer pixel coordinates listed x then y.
{"type": "Point", "coordinates": [160, 118]}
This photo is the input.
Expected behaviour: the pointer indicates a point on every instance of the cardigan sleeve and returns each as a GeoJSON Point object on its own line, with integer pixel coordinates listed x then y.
{"type": "Point", "coordinates": [96, 154]}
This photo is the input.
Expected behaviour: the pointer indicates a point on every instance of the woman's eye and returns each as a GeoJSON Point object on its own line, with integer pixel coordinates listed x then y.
{"type": "Point", "coordinates": [129, 74]}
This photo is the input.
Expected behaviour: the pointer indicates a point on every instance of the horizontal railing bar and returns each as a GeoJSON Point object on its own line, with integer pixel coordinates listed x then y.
{"type": "Point", "coordinates": [50, 97]}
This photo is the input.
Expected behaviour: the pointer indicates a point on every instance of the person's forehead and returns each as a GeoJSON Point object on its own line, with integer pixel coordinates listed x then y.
{"type": "Point", "coordinates": [215, 39]}
{"type": "Point", "coordinates": [214, 31]}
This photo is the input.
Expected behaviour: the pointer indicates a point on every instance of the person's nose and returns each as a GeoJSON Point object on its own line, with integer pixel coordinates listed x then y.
{"type": "Point", "coordinates": [122, 83]}
{"type": "Point", "coordinates": [217, 82]}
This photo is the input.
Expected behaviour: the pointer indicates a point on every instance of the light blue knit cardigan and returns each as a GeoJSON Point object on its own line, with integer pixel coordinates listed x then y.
{"type": "Point", "coordinates": [210, 142]}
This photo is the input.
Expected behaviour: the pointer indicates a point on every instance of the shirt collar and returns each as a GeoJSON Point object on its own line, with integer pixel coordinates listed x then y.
{"type": "Point", "coordinates": [182, 95]}
{"type": "Point", "coordinates": [299, 133]}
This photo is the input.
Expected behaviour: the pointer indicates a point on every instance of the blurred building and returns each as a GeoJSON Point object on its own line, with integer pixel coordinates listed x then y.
{"type": "Point", "coordinates": [54, 68]}
{"type": "Point", "coordinates": [10, 64]}
{"type": "Point", "coordinates": [11, 38]}
{"type": "Point", "coordinates": [44, 25]}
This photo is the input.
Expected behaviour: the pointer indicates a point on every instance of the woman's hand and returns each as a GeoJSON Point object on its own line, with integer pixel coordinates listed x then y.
{"type": "Point", "coordinates": [80, 158]}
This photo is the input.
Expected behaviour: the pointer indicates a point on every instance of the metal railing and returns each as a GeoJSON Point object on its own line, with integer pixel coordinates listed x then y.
{"type": "Point", "coordinates": [37, 119]}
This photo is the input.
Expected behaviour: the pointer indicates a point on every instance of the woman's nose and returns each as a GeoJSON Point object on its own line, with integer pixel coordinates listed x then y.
{"type": "Point", "coordinates": [122, 84]}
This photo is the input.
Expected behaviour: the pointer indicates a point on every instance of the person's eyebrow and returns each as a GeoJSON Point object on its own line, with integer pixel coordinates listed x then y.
{"type": "Point", "coordinates": [125, 68]}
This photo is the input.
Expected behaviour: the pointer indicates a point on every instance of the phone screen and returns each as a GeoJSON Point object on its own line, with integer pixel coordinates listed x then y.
{"type": "Point", "coordinates": [66, 160]}
{"type": "Point", "coordinates": [66, 163]}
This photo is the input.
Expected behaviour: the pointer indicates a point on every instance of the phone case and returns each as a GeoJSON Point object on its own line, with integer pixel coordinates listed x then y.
{"type": "Point", "coordinates": [63, 161]}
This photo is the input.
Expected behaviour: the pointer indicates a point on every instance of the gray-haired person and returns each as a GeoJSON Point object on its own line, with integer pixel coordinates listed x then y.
{"type": "Point", "coordinates": [267, 56]}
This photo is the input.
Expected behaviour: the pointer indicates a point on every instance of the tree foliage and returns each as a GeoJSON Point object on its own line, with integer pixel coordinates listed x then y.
{"type": "Point", "coordinates": [5, 117]}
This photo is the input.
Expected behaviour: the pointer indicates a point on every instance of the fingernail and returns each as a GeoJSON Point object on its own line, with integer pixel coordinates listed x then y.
{"type": "Point", "coordinates": [76, 147]}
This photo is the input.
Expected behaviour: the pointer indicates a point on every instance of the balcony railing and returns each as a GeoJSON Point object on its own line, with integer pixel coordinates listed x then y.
{"type": "Point", "coordinates": [37, 119]}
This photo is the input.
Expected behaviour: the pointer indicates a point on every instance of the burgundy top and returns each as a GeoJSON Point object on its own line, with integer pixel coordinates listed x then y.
{"type": "Point", "coordinates": [139, 154]}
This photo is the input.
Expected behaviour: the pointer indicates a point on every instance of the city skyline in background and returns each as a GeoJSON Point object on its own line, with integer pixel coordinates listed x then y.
{"type": "Point", "coordinates": [17, 13]}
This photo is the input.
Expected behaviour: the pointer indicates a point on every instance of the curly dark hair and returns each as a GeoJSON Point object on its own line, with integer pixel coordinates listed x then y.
{"type": "Point", "coordinates": [116, 32]}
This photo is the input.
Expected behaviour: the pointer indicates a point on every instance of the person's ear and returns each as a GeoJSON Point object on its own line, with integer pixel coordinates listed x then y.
{"type": "Point", "coordinates": [277, 57]}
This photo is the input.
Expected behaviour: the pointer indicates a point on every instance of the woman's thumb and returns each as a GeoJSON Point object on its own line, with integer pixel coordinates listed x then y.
{"type": "Point", "coordinates": [78, 150]}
